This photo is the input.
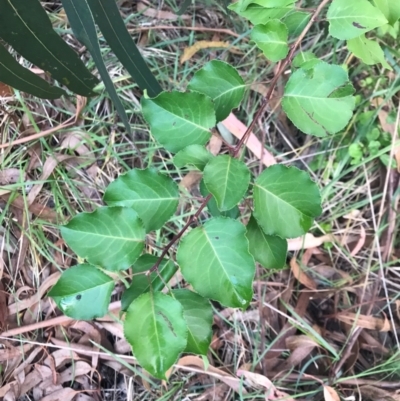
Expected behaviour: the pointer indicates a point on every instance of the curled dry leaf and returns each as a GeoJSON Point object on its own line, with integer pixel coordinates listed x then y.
{"type": "Point", "coordinates": [301, 276]}
{"type": "Point", "coordinates": [365, 321]}
{"type": "Point", "coordinates": [308, 241]}
{"type": "Point", "coordinates": [330, 394]}
{"type": "Point", "coordinates": [190, 51]}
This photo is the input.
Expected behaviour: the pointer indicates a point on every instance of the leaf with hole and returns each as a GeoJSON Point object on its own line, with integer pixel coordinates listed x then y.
{"type": "Point", "coordinates": [179, 119]}
{"type": "Point", "coordinates": [227, 179]}
{"type": "Point", "coordinates": [272, 39]}
{"type": "Point", "coordinates": [110, 237]}
{"type": "Point", "coordinates": [154, 196]}
{"type": "Point", "coordinates": [349, 19]}
{"type": "Point", "coordinates": [286, 201]}
{"type": "Point", "coordinates": [319, 100]}
{"type": "Point", "coordinates": [195, 155]}
{"type": "Point", "coordinates": [390, 9]}
{"type": "Point", "coordinates": [198, 315]}
{"type": "Point", "coordinates": [268, 250]}
{"type": "Point", "coordinates": [213, 272]}
{"type": "Point", "coordinates": [142, 283]}
{"type": "Point", "coordinates": [155, 328]}
{"type": "Point", "coordinates": [222, 83]}
{"type": "Point", "coordinates": [83, 292]}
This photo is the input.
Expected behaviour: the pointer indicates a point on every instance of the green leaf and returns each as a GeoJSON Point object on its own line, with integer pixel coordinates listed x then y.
{"type": "Point", "coordinates": [369, 51]}
{"type": "Point", "coordinates": [227, 179]}
{"type": "Point", "coordinates": [154, 196]}
{"type": "Point", "coordinates": [272, 39]}
{"type": "Point", "coordinates": [113, 28]}
{"type": "Point", "coordinates": [222, 83]}
{"type": "Point", "coordinates": [349, 19]}
{"type": "Point", "coordinates": [286, 201]}
{"type": "Point", "coordinates": [156, 329]}
{"type": "Point", "coordinates": [195, 155]}
{"type": "Point", "coordinates": [110, 237]}
{"type": "Point", "coordinates": [305, 60]}
{"type": "Point", "coordinates": [29, 31]}
{"type": "Point", "coordinates": [12, 73]}
{"type": "Point", "coordinates": [390, 9]}
{"type": "Point", "coordinates": [179, 119]}
{"type": "Point", "coordinates": [296, 22]}
{"type": "Point", "coordinates": [311, 99]}
{"type": "Point", "coordinates": [142, 283]}
{"type": "Point", "coordinates": [212, 205]}
{"type": "Point", "coordinates": [82, 24]}
{"type": "Point", "coordinates": [268, 250]}
{"type": "Point", "coordinates": [198, 315]}
{"type": "Point", "coordinates": [83, 292]}
{"type": "Point", "coordinates": [212, 270]}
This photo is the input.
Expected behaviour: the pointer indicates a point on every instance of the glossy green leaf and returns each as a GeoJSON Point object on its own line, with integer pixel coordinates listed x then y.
{"type": "Point", "coordinates": [318, 100]}
{"type": "Point", "coordinates": [222, 83]}
{"type": "Point", "coordinates": [286, 201]}
{"type": "Point", "coordinates": [82, 24]}
{"type": "Point", "coordinates": [268, 250]}
{"type": "Point", "coordinates": [227, 179]}
{"type": "Point", "coordinates": [12, 73]}
{"type": "Point", "coordinates": [296, 22]}
{"type": "Point", "coordinates": [154, 196]}
{"type": "Point", "coordinates": [29, 31]}
{"type": "Point", "coordinates": [157, 331]}
{"type": "Point", "coordinates": [198, 315]}
{"type": "Point", "coordinates": [349, 19]}
{"type": "Point", "coordinates": [390, 9]}
{"type": "Point", "coordinates": [215, 273]}
{"type": "Point", "coordinates": [272, 39]}
{"type": "Point", "coordinates": [110, 237]}
{"type": "Point", "coordinates": [369, 51]}
{"type": "Point", "coordinates": [179, 119]}
{"type": "Point", "coordinates": [212, 205]}
{"type": "Point", "coordinates": [83, 292]}
{"type": "Point", "coordinates": [112, 26]}
{"type": "Point", "coordinates": [195, 155]}
{"type": "Point", "coordinates": [142, 283]}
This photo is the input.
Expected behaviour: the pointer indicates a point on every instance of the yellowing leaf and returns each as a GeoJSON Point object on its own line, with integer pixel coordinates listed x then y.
{"type": "Point", "coordinates": [190, 51]}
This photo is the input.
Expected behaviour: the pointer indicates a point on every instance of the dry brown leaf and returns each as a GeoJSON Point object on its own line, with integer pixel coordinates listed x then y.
{"type": "Point", "coordinates": [301, 276]}
{"type": "Point", "coordinates": [191, 179]}
{"type": "Point", "coordinates": [11, 176]}
{"type": "Point", "coordinates": [64, 394]}
{"type": "Point", "coordinates": [159, 14]}
{"type": "Point", "coordinates": [330, 394]}
{"type": "Point", "coordinates": [300, 347]}
{"type": "Point", "coordinates": [190, 51]}
{"type": "Point", "coordinates": [360, 243]}
{"type": "Point", "coordinates": [308, 241]}
{"type": "Point", "coordinates": [364, 321]}
{"type": "Point", "coordinates": [215, 144]}
{"type": "Point", "coordinates": [3, 307]}
{"type": "Point", "coordinates": [5, 90]}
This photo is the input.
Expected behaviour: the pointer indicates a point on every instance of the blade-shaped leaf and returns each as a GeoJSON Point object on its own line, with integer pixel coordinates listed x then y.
{"type": "Point", "coordinates": [268, 250]}
{"type": "Point", "coordinates": [349, 19]}
{"type": "Point", "coordinates": [195, 155]}
{"type": "Point", "coordinates": [154, 196]}
{"type": "Point", "coordinates": [155, 328]}
{"type": "Point", "coordinates": [82, 24]}
{"type": "Point", "coordinates": [390, 9]}
{"type": "Point", "coordinates": [179, 119]}
{"type": "Point", "coordinates": [142, 283]}
{"type": "Point", "coordinates": [27, 28]}
{"type": "Point", "coordinates": [227, 179]}
{"type": "Point", "coordinates": [215, 260]}
{"type": "Point", "coordinates": [315, 102]}
{"type": "Point", "coordinates": [198, 315]}
{"type": "Point", "coordinates": [12, 73]}
{"type": "Point", "coordinates": [272, 39]}
{"type": "Point", "coordinates": [83, 292]}
{"type": "Point", "coordinates": [110, 237]}
{"type": "Point", "coordinates": [113, 28]}
{"type": "Point", "coordinates": [286, 201]}
{"type": "Point", "coordinates": [222, 83]}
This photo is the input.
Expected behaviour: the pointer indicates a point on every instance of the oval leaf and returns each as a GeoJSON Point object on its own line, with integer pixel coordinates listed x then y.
{"type": "Point", "coordinates": [349, 19]}
{"type": "Point", "coordinates": [222, 83]}
{"type": "Point", "coordinates": [155, 328]}
{"type": "Point", "coordinates": [215, 260]}
{"type": "Point", "coordinates": [227, 179]}
{"type": "Point", "coordinates": [179, 119]}
{"type": "Point", "coordinates": [154, 196]}
{"type": "Point", "coordinates": [195, 155]}
{"type": "Point", "coordinates": [268, 250]}
{"type": "Point", "coordinates": [313, 96]}
{"type": "Point", "coordinates": [142, 283]}
{"type": "Point", "coordinates": [390, 9]}
{"type": "Point", "coordinates": [198, 315]}
{"type": "Point", "coordinates": [111, 237]}
{"type": "Point", "coordinates": [286, 201]}
{"type": "Point", "coordinates": [83, 292]}
{"type": "Point", "coordinates": [272, 39]}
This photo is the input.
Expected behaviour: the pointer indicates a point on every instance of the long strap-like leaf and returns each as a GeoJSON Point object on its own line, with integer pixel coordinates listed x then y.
{"type": "Point", "coordinates": [12, 73]}
{"type": "Point", "coordinates": [26, 27]}
{"type": "Point", "coordinates": [112, 26]}
{"type": "Point", "coordinates": [82, 24]}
